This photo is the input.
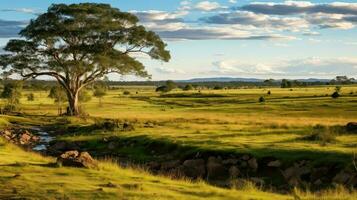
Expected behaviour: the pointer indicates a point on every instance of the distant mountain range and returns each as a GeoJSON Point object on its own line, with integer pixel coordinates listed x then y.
{"type": "Point", "coordinates": [255, 80]}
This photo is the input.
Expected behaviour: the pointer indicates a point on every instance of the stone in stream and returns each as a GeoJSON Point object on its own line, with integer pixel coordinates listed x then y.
{"type": "Point", "coordinates": [76, 159]}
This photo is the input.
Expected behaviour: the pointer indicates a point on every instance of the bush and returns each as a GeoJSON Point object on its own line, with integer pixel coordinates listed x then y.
{"type": "Point", "coordinates": [188, 87]}
{"type": "Point", "coordinates": [217, 87]}
{"type": "Point", "coordinates": [322, 134]}
{"type": "Point", "coordinates": [126, 92]}
{"type": "Point", "coordinates": [30, 97]}
{"type": "Point", "coordinates": [269, 92]}
{"type": "Point", "coordinates": [335, 95]}
{"type": "Point", "coordinates": [261, 99]}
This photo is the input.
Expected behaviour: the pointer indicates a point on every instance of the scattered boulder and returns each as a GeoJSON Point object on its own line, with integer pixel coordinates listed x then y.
{"type": "Point", "coordinates": [234, 172]}
{"type": "Point", "coordinates": [275, 163]}
{"type": "Point", "coordinates": [342, 177]}
{"type": "Point", "coordinates": [216, 170]}
{"type": "Point", "coordinates": [230, 161]}
{"type": "Point", "coordinates": [253, 164]}
{"type": "Point", "coordinates": [194, 168]}
{"type": "Point", "coordinates": [22, 137]}
{"type": "Point", "coordinates": [351, 127]}
{"type": "Point", "coordinates": [165, 166]}
{"type": "Point", "coordinates": [76, 159]}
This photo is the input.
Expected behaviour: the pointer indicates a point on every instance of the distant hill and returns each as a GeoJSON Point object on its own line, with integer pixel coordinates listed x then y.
{"type": "Point", "coordinates": [221, 79]}
{"type": "Point", "coordinates": [253, 80]}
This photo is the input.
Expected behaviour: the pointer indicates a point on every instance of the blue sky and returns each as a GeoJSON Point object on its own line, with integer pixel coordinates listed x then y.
{"type": "Point", "coordinates": [235, 38]}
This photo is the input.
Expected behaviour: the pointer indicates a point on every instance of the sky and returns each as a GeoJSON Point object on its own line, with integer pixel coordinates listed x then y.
{"type": "Point", "coordinates": [231, 38]}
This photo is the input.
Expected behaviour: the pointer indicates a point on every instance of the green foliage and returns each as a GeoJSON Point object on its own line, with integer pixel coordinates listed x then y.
{"type": "Point", "coordinates": [84, 96]}
{"type": "Point", "coordinates": [169, 85]}
{"type": "Point", "coordinates": [99, 91]}
{"type": "Point", "coordinates": [261, 99]}
{"type": "Point", "coordinates": [217, 87]}
{"type": "Point", "coordinates": [30, 97]}
{"type": "Point", "coordinates": [126, 92]}
{"type": "Point", "coordinates": [78, 44]}
{"type": "Point", "coordinates": [12, 92]}
{"type": "Point", "coordinates": [58, 94]}
{"type": "Point", "coordinates": [335, 95]}
{"type": "Point", "coordinates": [338, 88]}
{"type": "Point", "coordinates": [188, 87]}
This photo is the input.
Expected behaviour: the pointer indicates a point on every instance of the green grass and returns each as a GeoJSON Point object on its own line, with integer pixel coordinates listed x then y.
{"type": "Point", "coordinates": [36, 178]}
{"type": "Point", "coordinates": [184, 122]}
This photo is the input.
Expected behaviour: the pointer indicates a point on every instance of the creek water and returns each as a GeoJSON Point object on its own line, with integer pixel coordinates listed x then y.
{"type": "Point", "coordinates": [45, 139]}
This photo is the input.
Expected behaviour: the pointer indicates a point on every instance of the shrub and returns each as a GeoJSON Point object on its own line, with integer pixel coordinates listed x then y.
{"type": "Point", "coordinates": [217, 87]}
{"type": "Point", "coordinates": [335, 95]}
{"type": "Point", "coordinates": [322, 134]}
{"type": "Point", "coordinates": [269, 92]}
{"type": "Point", "coordinates": [126, 92]}
{"type": "Point", "coordinates": [30, 97]}
{"type": "Point", "coordinates": [261, 99]}
{"type": "Point", "coordinates": [188, 87]}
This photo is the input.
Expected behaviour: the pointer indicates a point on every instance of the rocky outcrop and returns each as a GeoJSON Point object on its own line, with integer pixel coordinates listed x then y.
{"type": "Point", "coordinates": [76, 159]}
{"type": "Point", "coordinates": [20, 137]}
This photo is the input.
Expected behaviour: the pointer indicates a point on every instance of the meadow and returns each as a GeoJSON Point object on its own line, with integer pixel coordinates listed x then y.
{"type": "Point", "coordinates": [179, 123]}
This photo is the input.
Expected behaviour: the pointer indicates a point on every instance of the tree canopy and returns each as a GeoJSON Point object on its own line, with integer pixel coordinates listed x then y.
{"type": "Point", "coordinates": [79, 43]}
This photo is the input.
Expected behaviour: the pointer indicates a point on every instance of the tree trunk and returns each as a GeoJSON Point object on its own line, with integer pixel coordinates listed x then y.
{"type": "Point", "coordinates": [73, 108]}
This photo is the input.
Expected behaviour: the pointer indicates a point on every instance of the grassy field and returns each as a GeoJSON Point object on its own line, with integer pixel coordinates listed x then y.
{"type": "Point", "coordinates": [212, 120]}
{"type": "Point", "coordinates": [228, 120]}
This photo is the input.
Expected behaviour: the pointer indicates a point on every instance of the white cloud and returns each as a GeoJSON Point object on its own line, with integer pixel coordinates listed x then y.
{"type": "Point", "coordinates": [22, 10]}
{"type": "Point", "coordinates": [208, 6]}
{"type": "Point", "coordinates": [311, 66]}
{"type": "Point", "coordinates": [232, 1]}
{"type": "Point", "coordinates": [168, 70]}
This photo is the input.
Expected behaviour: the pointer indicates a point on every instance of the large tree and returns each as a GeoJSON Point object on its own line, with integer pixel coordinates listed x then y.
{"type": "Point", "coordinates": [79, 43]}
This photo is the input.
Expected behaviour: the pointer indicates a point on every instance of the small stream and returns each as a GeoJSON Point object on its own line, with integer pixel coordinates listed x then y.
{"type": "Point", "coordinates": [45, 139]}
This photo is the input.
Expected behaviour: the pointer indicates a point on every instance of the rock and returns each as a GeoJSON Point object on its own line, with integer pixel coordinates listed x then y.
{"type": "Point", "coordinates": [194, 168]}
{"type": "Point", "coordinates": [351, 127]}
{"type": "Point", "coordinates": [253, 163]}
{"type": "Point", "coordinates": [275, 163]}
{"type": "Point", "coordinates": [169, 165]}
{"type": "Point", "coordinates": [153, 165]}
{"type": "Point", "coordinates": [342, 177]}
{"type": "Point", "coordinates": [76, 159]}
{"type": "Point", "coordinates": [243, 164]}
{"type": "Point", "coordinates": [216, 170]}
{"type": "Point", "coordinates": [234, 172]}
{"type": "Point", "coordinates": [25, 138]}
{"type": "Point", "coordinates": [230, 161]}
{"type": "Point", "coordinates": [245, 157]}
{"type": "Point", "coordinates": [293, 174]}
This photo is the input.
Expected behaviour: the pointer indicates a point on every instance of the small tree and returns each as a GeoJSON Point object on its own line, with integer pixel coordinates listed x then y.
{"type": "Point", "coordinates": [261, 99]}
{"type": "Point", "coordinates": [169, 85]}
{"type": "Point", "coordinates": [59, 95]}
{"type": "Point", "coordinates": [188, 87]}
{"type": "Point", "coordinates": [12, 92]}
{"type": "Point", "coordinates": [31, 97]}
{"type": "Point", "coordinates": [99, 92]}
